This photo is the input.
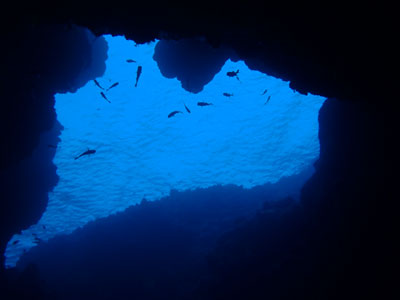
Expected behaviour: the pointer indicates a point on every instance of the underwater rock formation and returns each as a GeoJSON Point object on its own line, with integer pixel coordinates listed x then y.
{"type": "Point", "coordinates": [331, 53]}
{"type": "Point", "coordinates": [38, 62]}
{"type": "Point", "coordinates": [192, 61]}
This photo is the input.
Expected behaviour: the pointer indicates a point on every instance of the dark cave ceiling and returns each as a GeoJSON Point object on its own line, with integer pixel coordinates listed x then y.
{"type": "Point", "coordinates": [328, 50]}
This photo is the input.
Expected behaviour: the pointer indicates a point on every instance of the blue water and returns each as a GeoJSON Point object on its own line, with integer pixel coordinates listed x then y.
{"type": "Point", "coordinates": [141, 153]}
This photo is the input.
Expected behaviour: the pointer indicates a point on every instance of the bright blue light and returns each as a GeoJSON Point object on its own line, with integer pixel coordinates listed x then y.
{"type": "Point", "coordinates": [141, 152]}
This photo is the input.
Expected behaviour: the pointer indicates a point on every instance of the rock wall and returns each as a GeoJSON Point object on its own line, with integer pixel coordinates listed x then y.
{"type": "Point", "coordinates": [331, 52]}
{"type": "Point", "coordinates": [38, 62]}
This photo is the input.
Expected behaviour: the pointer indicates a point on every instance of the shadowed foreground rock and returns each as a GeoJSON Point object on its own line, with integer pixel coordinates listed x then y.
{"type": "Point", "coordinates": [333, 243]}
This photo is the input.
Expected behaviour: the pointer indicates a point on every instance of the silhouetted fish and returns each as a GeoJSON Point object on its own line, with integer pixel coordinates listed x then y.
{"type": "Point", "coordinates": [232, 73]}
{"type": "Point", "coordinates": [174, 113]}
{"type": "Point", "coordinates": [269, 97]}
{"type": "Point", "coordinates": [227, 95]}
{"type": "Point", "coordinates": [44, 227]}
{"type": "Point", "coordinates": [114, 85]}
{"type": "Point", "coordinates": [138, 72]}
{"type": "Point", "coordinates": [87, 152]}
{"type": "Point", "coordinates": [98, 84]}
{"type": "Point", "coordinates": [203, 104]}
{"type": "Point", "coordinates": [265, 91]}
{"type": "Point", "coordinates": [52, 146]}
{"type": "Point", "coordinates": [187, 109]}
{"type": "Point", "coordinates": [15, 242]}
{"type": "Point", "coordinates": [104, 96]}
{"type": "Point", "coordinates": [130, 61]}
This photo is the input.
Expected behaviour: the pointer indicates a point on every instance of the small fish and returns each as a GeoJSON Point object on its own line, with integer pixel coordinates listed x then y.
{"type": "Point", "coordinates": [138, 72]}
{"type": "Point", "coordinates": [87, 152]}
{"type": "Point", "coordinates": [130, 61]}
{"type": "Point", "coordinates": [15, 242]}
{"type": "Point", "coordinates": [114, 85]}
{"type": "Point", "coordinates": [265, 91]}
{"type": "Point", "coordinates": [52, 146]}
{"type": "Point", "coordinates": [187, 109]}
{"type": "Point", "coordinates": [269, 97]}
{"type": "Point", "coordinates": [44, 227]}
{"type": "Point", "coordinates": [98, 84]}
{"type": "Point", "coordinates": [227, 95]}
{"type": "Point", "coordinates": [104, 96]}
{"type": "Point", "coordinates": [174, 113]}
{"type": "Point", "coordinates": [203, 104]}
{"type": "Point", "coordinates": [232, 73]}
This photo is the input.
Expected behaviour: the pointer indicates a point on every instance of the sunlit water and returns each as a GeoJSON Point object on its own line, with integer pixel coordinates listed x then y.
{"type": "Point", "coordinates": [141, 152]}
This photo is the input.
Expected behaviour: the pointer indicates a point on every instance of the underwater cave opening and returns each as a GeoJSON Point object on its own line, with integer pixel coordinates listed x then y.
{"type": "Point", "coordinates": [150, 135]}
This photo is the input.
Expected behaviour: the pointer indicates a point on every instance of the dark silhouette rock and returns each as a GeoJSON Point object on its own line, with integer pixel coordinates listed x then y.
{"type": "Point", "coordinates": [193, 62]}
{"type": "Point", "coordinates": [332, 243]}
